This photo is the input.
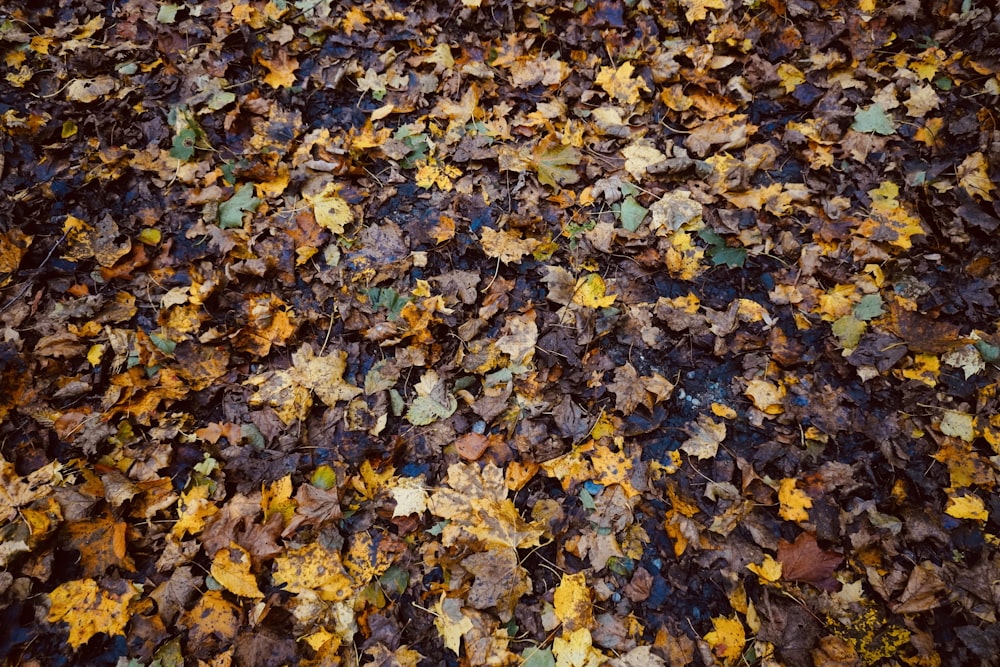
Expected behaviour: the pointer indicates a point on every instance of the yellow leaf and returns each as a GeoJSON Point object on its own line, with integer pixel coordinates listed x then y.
{"type": "Point", "coordinates": [194, 508]}
{"type": "Point", "coordinates": [506, 246]}
{"type": "Point", "coordinates": [974, 176]}
{"type": "Point", "coordinates": [276, 498]}
{"type": "Point", "coordinates": [619, 84]}
{"type": "Point", "coordinates": [231, 568]}
{"type": "Point", "coordinates": [330, 210]}
{"type": "Point", "coordinates": [476, 505]}
{"type": "Point", "coordinates": [590, 292]}
{"type": "Point", "coordinates": [766, 396]}
{"type": "Point", "coordinates": [931, 132]}
{"type": "Point", "coordinates": [727, 638]}
{"type": "Point", "coordinates": [89, 609]}
{"type": "Point", "coordinates": [451, 622]}
{"type": "Point", "coordinates": [640, 157]}
{"type": "Point", "coordinates": [280, 70]}
{"type": "Point", "coordinates": [410, 496]}
{"type": "Point", "coordinates": [313, 568]}
{"type": "Point", "coordinates": [724, 411]}
{"type": "Point", "coordinates": [793, 501]}
{"type": "Point", "coordinates": [967, 507]}
{"type": "Point", "coordinates": [576, 649]}
{"type": "Point", "coordinates": [573, 605]}
{"type": "Point", "coordinates": [434, 172]}
{"type": "Point", "coordinates": [770, 570]}
{"type": "Point", "coordinates": [697, 10]}
{"type": "Point", "coordinates": [791, 77]}
{"type": "Point", "coordinates": [705, 437]}
{"type": "Point", "coordinates": [683, 257]}
{"type": "Point", "coordinates": [958, 425]}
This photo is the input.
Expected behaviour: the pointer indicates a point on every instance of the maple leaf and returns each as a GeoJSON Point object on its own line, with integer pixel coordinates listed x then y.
{"type": "Point", "coordinates": [727, 638]}
{"type": "Point", "coordinates": [475, 503]}
{"type": "Point", "coordinates": [705, 437]}
{"type": "Point", "coordinates": [769, 570]}
{"type": "Point", "coordinates": [90, 609]}
{"type": "Point", "coordinates": [639, 157]}
{"type": "Point", "coordinates": [873, 119]}
{"type": "Point", "coordinates": [506, 246]}
{"type": "Point", "coordinates": [410, 496]}
{"type": "Point", "coordinates": [973, 175]}
{"type": "Point", "coordinates": [280, 69]}
{"type": "Point", "coordinates": [590, 292]}
{"type": "Point", "coordinates": [697, 10]}
{"type": "Point", "coordinates": [290, 391]}
{"type": "Point", "coordinates": [17, 490]}
{"type": "Point", "coordinates": [313, 568]}
{"type": "Point", "coordinates": [451, 622]}
{"type": "Point", "coordinates": [500, 581]}
{"type": "Point", "coordinates": [619, 84]}
{"type": "Point", "coordinates": [553, 162]}
{"type": "Point", "coordinates": [432, 402]}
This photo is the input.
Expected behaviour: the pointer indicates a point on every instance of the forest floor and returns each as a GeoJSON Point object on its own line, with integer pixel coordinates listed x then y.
{"type": "Point", "coordinates": [612, 332]}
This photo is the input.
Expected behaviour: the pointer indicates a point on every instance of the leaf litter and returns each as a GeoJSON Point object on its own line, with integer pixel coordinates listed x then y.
{"type": "Point", "coordinates": [499, 333]}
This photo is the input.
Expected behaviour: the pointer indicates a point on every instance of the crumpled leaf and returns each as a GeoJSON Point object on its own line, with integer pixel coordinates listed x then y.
{"type": "Point", "coordinates": [705, 437]}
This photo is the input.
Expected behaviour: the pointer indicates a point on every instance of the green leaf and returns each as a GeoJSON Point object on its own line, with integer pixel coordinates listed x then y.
{"type": "Point", "coordinates": [426, 410]}
{"type": "Point", "coordinates": [734, 258]}
{"type": "Point", "coordinates": [537, 657]}
{"type": "Point", "coordinates": [848, 330]}
{"type": "Point", "coordinates": [183, 144]}
{"type": "Point", "coordinates": [989, 353]}
{"type": "Point", "coordinates": [869, 307]}
{"type": "Point", "coordinates": [231, 211]}
{"type": "Point", "coordinates": [632, 214]}
{"type": "Point", "coordinates": [167, 13]}
{"type": "Point", "coordinates": [873, 119]}
{"type": "Point", "coordinates": [324, 478]}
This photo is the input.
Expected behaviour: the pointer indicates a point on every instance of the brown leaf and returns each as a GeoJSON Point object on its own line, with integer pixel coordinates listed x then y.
{"type": "Point", "coordinates": [924, 590]}
{"type": "Point", "coordinates": [923, 334]}
{"type": "Point", "coordinates": [805, 562]}
{"type": "Point", "coordinates": [101, 543]}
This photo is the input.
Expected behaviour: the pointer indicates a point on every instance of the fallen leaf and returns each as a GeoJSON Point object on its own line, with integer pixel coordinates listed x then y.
{"type": "Point", "coordinates": [90, 609]}
{"type": "Point", "coordinates": [804, 561]}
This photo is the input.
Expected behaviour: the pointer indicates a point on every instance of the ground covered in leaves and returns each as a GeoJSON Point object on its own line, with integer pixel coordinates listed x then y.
{"type": "Point", "coordinates": [509, 332]}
